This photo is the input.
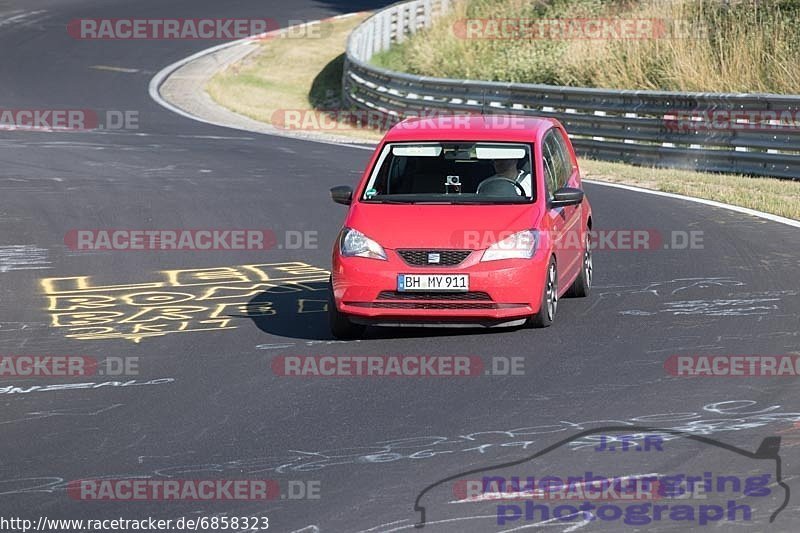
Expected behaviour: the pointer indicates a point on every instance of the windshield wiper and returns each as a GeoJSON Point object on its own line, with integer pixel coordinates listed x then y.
{"type": "Point", "coordinates": [409, 202]}
{"type": "Point", "coordinates": [387, 202]}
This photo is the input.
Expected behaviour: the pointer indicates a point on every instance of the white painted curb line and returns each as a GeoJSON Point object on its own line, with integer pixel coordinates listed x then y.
{"type": "Point", "coordinates": [162, 75]}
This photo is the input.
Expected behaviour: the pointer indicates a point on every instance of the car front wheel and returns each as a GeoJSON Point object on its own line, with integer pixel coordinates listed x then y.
{"type": "Point", "coordinates": [341, 326]}
{"type": "Point", "coordinates": [583, 283]}
{"type": "Point", "coordinates": [549, 305]}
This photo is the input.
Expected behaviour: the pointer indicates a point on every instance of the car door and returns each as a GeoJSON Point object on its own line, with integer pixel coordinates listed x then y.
{"type": "Point", "coordinates": [564, 221]}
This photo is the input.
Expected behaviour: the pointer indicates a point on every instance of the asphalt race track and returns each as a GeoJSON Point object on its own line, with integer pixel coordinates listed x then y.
{"type": "Point", "coordinates": [206, 403]}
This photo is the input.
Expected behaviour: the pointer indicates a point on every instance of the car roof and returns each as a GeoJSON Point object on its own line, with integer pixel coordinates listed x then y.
{"type": "Point", "coordinates": [470, 127]}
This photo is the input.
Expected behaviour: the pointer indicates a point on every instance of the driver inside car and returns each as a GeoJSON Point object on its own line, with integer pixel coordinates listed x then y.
{"type": "Point", "coordinates": [507, 168]}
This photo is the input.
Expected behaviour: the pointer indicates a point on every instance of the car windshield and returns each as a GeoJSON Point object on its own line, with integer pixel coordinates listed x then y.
{"type": "Point", "coordinates": [452, 172]}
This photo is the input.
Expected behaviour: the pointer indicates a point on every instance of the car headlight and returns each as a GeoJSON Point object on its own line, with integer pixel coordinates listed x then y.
{"type": "Point", "coordinates": [353, 243]}
{"type": "Point", "coordinates": [521, 245]}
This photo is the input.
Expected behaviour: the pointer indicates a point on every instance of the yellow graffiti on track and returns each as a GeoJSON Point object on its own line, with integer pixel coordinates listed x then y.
{"type": "Point", "coordinates": [188, 300]}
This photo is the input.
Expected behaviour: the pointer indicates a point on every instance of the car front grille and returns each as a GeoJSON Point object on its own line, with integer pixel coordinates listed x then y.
{"type": "Point", "coordinates": [424, 257]}
{"type": "Point", "coordinates": [433, 305]}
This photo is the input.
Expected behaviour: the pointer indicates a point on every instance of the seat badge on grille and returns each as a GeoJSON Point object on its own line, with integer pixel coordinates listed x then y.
{"type": "Point", "coordinates": [434, 258]}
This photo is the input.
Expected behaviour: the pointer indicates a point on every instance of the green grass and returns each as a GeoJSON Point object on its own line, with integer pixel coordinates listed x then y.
{"type": "Point", "coordinates": [737, 46]}
{"type": "Point", "coordinates": [289, 74]}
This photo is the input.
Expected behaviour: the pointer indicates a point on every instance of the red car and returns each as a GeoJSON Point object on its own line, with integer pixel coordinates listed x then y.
{"type": "Point", "coordinates": [462, 221]}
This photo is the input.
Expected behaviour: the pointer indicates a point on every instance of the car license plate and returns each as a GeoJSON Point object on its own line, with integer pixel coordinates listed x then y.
{"type": "Point", "coordinates": [433, 282]}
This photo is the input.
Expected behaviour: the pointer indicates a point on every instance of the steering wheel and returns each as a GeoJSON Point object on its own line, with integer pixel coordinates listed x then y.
{"type": "Point", "coordinates": [497, 179]}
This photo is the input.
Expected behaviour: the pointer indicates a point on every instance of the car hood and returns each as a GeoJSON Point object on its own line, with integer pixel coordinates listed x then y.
{"type": "Point", "coordinates": [440, 226]}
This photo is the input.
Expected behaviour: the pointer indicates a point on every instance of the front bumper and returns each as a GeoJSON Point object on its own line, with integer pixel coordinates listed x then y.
{"type": "Point", "coordinates": [501, 293]}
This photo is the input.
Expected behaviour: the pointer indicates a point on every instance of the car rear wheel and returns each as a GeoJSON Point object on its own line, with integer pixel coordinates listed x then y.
{"type": "Point", "coordinates": [583, 283]}
{"type": "Point", "coordinates": [341, 326]}
{"type": "Point", "coordinates": [549, 305]}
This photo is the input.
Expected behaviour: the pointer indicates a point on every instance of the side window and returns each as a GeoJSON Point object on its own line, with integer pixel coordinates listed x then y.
{"type": "Point", "coordinates": [565, 161]}
{"type": "Point", "coordinates": [549, 163]}
{"type": "Point", "coordinates": [562, 166]}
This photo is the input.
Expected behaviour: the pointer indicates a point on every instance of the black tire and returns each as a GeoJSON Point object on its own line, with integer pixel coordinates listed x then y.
{"type": "Point", "coordinates": [582, 285]}
{"type": "Point", "coordinates": [547, 310]}
{"type": "Point", "coordinates": [341, 326]}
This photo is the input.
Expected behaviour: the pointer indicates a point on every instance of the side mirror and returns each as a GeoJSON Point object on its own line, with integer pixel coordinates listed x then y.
{"type": "Point", "coordinates": [566, 196]}
{"type": "Point", "coordinates": [342, 194]}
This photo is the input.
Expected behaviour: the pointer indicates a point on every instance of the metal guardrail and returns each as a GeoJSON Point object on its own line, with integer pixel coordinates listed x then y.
{"type": "Point", "coordinates": [649, 128]}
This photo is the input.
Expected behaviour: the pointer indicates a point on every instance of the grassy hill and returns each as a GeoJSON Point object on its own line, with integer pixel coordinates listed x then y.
{"type": "Point", "coordinates": [692, 45]}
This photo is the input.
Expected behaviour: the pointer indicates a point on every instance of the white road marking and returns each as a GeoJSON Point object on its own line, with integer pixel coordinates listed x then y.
{"type": "Point", "coordinates": [23, 257]}
{"type": "Point", "coordinates": [21, 17]}
{"type": "Point", "coordinates": [115, 69]}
